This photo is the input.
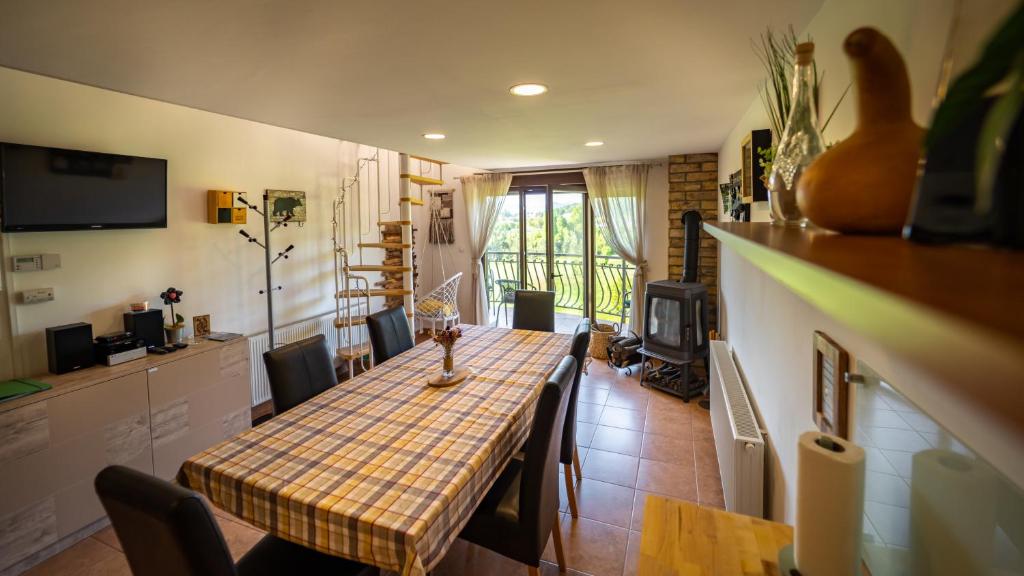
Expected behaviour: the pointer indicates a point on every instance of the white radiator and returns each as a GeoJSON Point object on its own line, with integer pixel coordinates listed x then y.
{"type": "Point", "coordinates": [260, 343]}
{"type": "Point", "coordinates": [738, 438]}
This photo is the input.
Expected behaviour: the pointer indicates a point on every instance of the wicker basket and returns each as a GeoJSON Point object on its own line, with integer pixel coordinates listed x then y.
{"type": "Point", "coordinates": [599, 335]}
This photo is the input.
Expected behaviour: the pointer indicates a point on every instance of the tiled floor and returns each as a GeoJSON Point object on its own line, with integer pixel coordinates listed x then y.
{"type": "Point", "coordinates": [632, 442]}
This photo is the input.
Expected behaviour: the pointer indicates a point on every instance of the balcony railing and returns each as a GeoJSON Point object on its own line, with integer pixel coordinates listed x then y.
{"type": "Point", "coordinates": [613, 281]}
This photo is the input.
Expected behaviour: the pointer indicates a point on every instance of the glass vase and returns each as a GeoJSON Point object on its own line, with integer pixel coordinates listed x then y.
{"type": "Point", "coordinates": [800, 144]}
{"type": "Point", "coordinates": [448, 368]}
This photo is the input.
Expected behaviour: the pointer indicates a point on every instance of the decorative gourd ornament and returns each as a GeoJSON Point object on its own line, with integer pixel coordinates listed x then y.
{"type": "Point", "coordinates": [864, 184]}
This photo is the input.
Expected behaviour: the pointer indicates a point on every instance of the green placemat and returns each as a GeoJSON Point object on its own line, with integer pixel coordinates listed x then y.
{"type": "Point", "coordinates": [17, 388]}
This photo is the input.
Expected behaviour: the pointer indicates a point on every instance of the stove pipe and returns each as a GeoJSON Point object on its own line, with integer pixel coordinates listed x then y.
{"type": "Point", "coordinates": [691, 245]}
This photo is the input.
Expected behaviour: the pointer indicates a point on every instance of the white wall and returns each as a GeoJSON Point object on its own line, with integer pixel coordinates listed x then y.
{"type": "Point", "coordinates": [220, 273]}
{"type": "Point", "coordinates": [771, 328]}
{"type": "Point", "coordinates": [657, 221]}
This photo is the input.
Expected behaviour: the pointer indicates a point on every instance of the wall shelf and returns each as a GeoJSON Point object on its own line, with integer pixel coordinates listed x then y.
{"type": "Point", "coordinates": [955, 312]}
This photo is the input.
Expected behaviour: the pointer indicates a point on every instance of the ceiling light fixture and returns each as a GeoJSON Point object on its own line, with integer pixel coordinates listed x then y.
{"type": "Point", "coordinates": [528, 89]}
{"type": "Point", "coordinates": [434, 136]}
{"type": "Point", "coordinates": [594, 143]}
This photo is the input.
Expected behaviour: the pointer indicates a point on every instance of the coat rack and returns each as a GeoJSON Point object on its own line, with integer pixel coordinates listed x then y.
{"type": "Point", "coordinates": [268, 259]}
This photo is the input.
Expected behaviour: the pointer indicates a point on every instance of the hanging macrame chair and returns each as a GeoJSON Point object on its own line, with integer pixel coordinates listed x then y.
{"type": "Point", "coordinates": [439, 308]}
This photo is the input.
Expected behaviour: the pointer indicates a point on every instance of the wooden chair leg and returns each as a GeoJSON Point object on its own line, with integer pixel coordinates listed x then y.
{"type": "Point", "coordinates": [532, 570]}
{"type": "Point", "coordinates": [559, 554]}
{"type": "Point", "coordinates": [570, 492]}
{"type": "Point", "coordinates": [576, 464]}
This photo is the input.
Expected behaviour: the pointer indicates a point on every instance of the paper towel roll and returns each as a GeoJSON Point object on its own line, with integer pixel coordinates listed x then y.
{"type": "Point", "coordinates": [829, 505]}
{"type": "Point", "coordinates": [952, 514]}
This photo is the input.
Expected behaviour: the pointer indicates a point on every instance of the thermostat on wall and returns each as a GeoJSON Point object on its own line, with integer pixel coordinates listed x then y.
{"type": "Point", "coordinates": [36, 262]}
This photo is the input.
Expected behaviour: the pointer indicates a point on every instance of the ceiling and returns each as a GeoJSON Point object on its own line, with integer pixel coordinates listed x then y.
{"type": "Point", "coordinates": [647, 77]}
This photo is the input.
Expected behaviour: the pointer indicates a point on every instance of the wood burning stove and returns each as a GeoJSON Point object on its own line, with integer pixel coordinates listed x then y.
{"type": "Point", "coordinates": [676, 323]}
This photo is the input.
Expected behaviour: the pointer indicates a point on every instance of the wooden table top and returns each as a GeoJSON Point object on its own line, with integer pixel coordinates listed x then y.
{"type": "Point", "coordinates": [683, 539]}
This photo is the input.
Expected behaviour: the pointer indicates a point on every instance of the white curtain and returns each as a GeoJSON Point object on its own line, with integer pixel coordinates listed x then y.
{"type": "Point", "coordinates": [484, 195]}
{"type": "Point", "coordinates": [618, 195]}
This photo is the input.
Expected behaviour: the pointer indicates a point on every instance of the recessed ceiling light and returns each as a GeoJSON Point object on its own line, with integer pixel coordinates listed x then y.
{"type": "Point", "coordinates": [434, 136]}
{"type": "Point", "coordinates": [594, 143]}
{"type": "Point", "coordinates": [528, 89]}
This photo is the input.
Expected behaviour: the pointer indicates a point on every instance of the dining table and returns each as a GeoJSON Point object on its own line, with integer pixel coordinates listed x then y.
{"type": "Point", "coordinates": [382, 468]}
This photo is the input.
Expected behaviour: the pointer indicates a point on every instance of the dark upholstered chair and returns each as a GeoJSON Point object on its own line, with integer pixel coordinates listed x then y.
{"type": "Point", "coordinates": [535, 310]}
{"type": "Point", "coordinates": [167, 530]}
{"type": "Point", "coordinates": [569, 455]}
{"type": "Point", "coordinates": [520, 512]}
{"type": "Point", "coordinates": [389, 333]}
{"type": "Point", "coordinates": [299, 371]}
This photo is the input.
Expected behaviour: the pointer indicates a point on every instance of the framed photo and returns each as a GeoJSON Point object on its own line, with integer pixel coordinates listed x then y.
{"type": "Point", "coordinates": [831, 390]}
{"type": "Point", "coordinates": [201, 326]}
{"type": "Point", "coordinates": [752, 186]}
{"type": "Point", "coordinates": [284, 203]}
{"type": "Point", "coordinates": [442, 228]}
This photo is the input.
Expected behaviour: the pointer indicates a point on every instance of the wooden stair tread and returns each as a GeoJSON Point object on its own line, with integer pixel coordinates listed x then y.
{"type": "Point", "coordinates": [376, 292]}
{"type": "Point", "coordinates": [357, 352]}
{"type": "Point", "coordinates": [378, 268]}
{"type": "Point", "coordinates": [384, 245]}
{"type": "Point", "coordinates": [411, 200]}
{"type": "Point", "coordinates": [344, 322]}
{"type": "Point", "coordinates": [422, 180]}
{"type": "Point", "coordinates": [394, 223]}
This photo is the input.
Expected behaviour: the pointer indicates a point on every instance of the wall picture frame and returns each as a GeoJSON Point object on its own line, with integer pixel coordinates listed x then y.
{"type": "Point", "coordinates": [442, 212]}
{"type": "Point", "coordinates": [201, 326]}
{"type": "Point", "coordinates": [752, 185]}
{"type": "Point", "coordinates": [831, 390]}
{"type": "Point", "coordinates": [284, 203]}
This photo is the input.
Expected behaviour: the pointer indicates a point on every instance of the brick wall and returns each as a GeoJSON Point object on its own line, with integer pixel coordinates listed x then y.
{"type": "Point", "coordinates": [693, 185]}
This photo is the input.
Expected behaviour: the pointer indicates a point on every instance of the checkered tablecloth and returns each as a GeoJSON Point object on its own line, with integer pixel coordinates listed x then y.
{"type": "Point", "coordinates": [383, 469]}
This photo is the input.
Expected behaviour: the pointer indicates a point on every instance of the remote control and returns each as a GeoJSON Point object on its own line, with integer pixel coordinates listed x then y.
{"type": "Point", "coordinates": [156, 350]}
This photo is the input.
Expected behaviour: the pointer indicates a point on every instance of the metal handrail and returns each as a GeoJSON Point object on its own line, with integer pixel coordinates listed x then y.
{"type": "Point", "coordinates": [613, 279]}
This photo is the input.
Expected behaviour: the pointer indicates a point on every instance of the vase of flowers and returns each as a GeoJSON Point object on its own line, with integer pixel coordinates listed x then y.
{"type": "Point", "coordinates": [447, 338]}
{"type": "Point", "coordinates": [175, 329]}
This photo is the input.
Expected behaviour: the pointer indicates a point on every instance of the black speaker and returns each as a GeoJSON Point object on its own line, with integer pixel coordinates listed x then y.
{"type": "Point", "coordinates": [147, 325]}
{"type": "Point", "coordinates": [69, 347]}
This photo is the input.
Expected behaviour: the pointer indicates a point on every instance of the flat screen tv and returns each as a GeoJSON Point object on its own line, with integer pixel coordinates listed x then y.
{"type": "Point", "coordinates": [56, 189]}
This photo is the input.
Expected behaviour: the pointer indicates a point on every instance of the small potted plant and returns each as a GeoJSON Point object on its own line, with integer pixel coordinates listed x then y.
{"type": "Point", "coordinates": [175, 330]}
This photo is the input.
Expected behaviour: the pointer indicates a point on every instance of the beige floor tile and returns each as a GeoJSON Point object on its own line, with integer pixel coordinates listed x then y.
{"type": "Point", "coordinates": [592, 395]}
{"type": "Point", "coordinates": [668, 422]}
{"type": "Point", "coordinates": [605, 502]}
{"type": "Point", "coordinates": [705, 455]}
{"type": "Point", "coordinates": [592, 547]}
{"type": "Point", "coordinates": [89, 557]}
{"type": "Point", "coordinates": [586, 412]}
{"type": "Point", "coordinates": [617, 440]}
{"type": "Point", "coordinates": [639, 499]}
{"type": "Point", "coordinates": [632, 397]}
{"type": "Point", "coordinates": [701, 425]}
{"type": "Point", "coordinates": [594, 380]}
{"type": "Point", "coordinates": [676, 448]}
{"type": "Point", "coordinates": [709, 488]}
{"type": "Point", "coordinates": [611, 467]}
{"type": "Point", "coordinates": [622, 418]}
{"type": "Point", "coordinates": [584, 434]}
{"type": "Point", "coordinates": [675, 480]}
{"type": "Point", "coordinates": [632, 554]}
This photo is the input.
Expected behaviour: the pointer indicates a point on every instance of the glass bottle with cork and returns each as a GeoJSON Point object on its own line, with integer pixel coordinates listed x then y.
{"type": "Point", "coordinates": [800, 144]}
